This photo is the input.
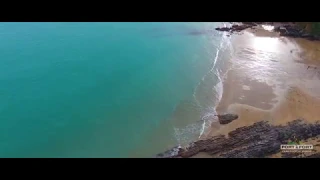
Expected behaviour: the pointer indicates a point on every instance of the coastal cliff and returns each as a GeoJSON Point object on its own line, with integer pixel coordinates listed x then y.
{"type": "Point", "coordinates": [256, 141]}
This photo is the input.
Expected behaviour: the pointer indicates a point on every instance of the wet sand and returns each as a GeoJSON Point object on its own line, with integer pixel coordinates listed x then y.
{"type": "Point", "coordinates": [271, 78]}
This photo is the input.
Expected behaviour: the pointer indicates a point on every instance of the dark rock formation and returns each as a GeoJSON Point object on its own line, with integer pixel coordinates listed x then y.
{"type": "Point", "coordinates": [227, 118]}
{"type": "Point", "coordinates": [223, 119]}
{"type": "Point", "coordinates": [295, 32]}
{"type": "Point", "coordinates": [256, 141]}
{"type": "Point", "coordinates": [289, 30]}
{"type": "Point", "coordinates": [223, 29]}
{"type": "Point", "coordinates": [235, 28]}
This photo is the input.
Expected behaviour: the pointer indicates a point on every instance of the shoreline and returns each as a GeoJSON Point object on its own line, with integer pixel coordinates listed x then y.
{"type": "Point", "coordinates": [275, 91]}
{"type": "Point", "coordinates": [272, 79]}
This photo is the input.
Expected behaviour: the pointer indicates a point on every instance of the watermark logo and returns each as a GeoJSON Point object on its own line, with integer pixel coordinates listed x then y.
{"type": "Point", "coordinates": [295, 146]}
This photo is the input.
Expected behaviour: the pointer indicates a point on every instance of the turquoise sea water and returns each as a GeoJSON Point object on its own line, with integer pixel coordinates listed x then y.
{"type": "Point", "coordinates": [102, 89]}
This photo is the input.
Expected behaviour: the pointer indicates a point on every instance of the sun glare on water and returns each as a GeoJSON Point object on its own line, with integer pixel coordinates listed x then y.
{"type": "Point", "coordinates": [268, 27]}
{"type": "Point", "coordinates": [265, 43]}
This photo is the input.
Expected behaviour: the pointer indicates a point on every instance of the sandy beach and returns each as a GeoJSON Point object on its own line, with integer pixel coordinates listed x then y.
{"type": "Point", "coordinates": [271, 83]}
{"type": "Point", "coordinates": [271, 78]}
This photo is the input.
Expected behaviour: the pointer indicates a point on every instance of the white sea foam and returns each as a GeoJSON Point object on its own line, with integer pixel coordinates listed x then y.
{"type": "Point", "coordinates": [212, 80]}
{"type": "Point", "coordinates": [209, 116]}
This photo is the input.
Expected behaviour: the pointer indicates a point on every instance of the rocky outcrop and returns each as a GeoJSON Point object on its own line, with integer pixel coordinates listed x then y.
{"type": "Point", "coordinates": [295, 32]}
{"type": "Point", "coordinates": [289, 30]}
{"type": "Point", "coordinates": [235, 28]}
{"type": "Point", "coordinates": [256, 141]}
{"type": "Point", "coordinates": [227, 118]}
{"type": "Point", "coordinates": [222, 118]}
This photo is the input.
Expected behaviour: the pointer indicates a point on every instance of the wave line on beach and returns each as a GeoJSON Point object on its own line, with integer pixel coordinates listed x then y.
{"type": "Point", "coordinates": [205, 118]}
{"type": "Point", "coordinates": [210, 84]}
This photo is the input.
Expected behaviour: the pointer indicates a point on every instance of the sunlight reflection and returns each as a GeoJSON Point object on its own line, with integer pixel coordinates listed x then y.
{"type": "Point", "coordinates": [268, 27]}
{"type": "Point", "coordinates": [266, 43]}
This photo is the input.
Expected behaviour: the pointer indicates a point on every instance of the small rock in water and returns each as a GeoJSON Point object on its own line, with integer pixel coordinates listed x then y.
{"type": "Point", "coordinates": [227, 118]}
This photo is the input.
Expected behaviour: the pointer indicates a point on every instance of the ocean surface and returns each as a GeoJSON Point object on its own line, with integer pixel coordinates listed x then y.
{"type": "Point", "coordinates": [106, 89]}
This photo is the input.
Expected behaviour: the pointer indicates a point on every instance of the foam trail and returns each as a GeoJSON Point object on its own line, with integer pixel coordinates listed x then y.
{"type": "Point", "coordinates": [208, 116]}
{"type": "Point", "coordinates": [207, 119]}
{"type": "Point", "coordinates": [220, 81]}
{"type": "Point", "coordinates": [213, 65]}
{"type": "Point", "coordinates": [219, 86]}
{"type": "Point", "coordinates": [209, 72]}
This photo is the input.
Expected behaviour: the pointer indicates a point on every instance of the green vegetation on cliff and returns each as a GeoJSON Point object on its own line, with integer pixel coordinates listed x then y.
{"type": "Point", "coordinates": [310, 27]}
